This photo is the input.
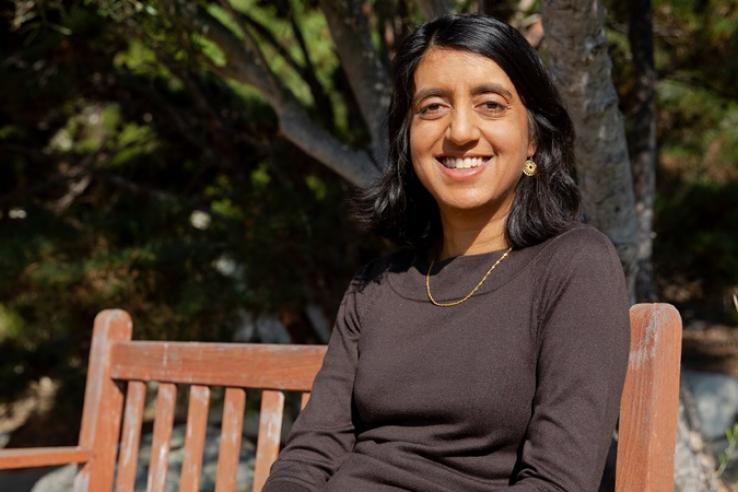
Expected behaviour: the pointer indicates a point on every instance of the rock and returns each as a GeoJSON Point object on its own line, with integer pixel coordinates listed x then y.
{"type": "Point", "coordinates": [264, 328]}
{"type": "Point", "coordinates": [59, 480]}
{"type": "Point", "coordinates": [716, 396]}
{"type": "Point", "coordinates": [693, 468]}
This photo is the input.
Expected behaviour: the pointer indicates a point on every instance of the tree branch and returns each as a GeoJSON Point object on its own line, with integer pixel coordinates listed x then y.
{"type": "Point", "coordinates": [248, 66]}
{"type": "Point", "coordinates": [264, 33]}
{"type": "Point", "coordinates": [320, 97]}
{"type": "Point", "coordinates": [363, 67]}
{"type": "Point", "coordinates": [306, 71]}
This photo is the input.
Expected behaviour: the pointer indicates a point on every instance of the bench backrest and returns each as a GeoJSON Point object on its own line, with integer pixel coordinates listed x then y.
{"type": "Point", "coordinates": [114, 358]}
{"type": "Point", "coordinates": [119, 370]}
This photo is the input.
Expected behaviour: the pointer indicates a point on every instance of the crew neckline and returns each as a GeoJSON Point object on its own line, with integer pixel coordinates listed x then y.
{"type": "Point", "coordinates": [453, 277]}
{"type": "Point", "coordinates": [464, 257]}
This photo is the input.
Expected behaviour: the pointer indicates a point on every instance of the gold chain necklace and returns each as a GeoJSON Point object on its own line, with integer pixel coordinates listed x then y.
{"type": "Point", "coordinates": [466, 297]}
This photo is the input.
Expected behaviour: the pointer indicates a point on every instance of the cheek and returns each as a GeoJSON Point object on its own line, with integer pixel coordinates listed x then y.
{"type": "Point", "coordinates": [508, 138]}
{"type": "Point", "coordinates": [419, 162]}
{"type": "Point", "coordinates": [413, 140]}
{"type": "Point", "coordinates": [424, 135]}
{"type": "Point", "coordinates": [421, 146]}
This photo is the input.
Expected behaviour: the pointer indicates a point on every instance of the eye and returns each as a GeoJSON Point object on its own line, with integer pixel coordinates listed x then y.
{"type": "Point", "coordinates": [493, 108]}
{"type": "Point", "coordinates": [431, 110]}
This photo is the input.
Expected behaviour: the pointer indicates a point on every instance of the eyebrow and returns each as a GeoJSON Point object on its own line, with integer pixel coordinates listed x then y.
{"type": "Point", "coordinates": [480, 89]}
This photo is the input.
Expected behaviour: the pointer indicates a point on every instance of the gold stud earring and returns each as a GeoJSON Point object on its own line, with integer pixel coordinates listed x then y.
{"type": "Point", "coordinates": [530, 168]}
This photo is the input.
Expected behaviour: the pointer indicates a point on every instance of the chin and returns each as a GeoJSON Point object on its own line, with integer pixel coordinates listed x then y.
{"type": "Point", "coordinates": [469, 205]}
{"type": "Point", "coordinates": [473, 202]}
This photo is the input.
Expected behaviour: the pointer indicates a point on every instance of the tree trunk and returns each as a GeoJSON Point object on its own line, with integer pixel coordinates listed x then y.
{"type": "Point", "coordinates": [577, 47]}
{"type": "Point", "coordinates": [580, 66]}
{"type": "Point", "coordinates": [642, 141]}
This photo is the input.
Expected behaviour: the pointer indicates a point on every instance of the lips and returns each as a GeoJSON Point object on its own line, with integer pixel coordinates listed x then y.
{"type": "Point", "coordinates": [463, 162]}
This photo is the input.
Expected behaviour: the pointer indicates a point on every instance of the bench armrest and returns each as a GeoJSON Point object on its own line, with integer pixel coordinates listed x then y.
{"type": "Point", "coordinates": [34, 457]}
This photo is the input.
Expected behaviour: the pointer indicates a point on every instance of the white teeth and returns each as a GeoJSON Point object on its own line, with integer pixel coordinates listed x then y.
{"type": "Point", "coordinates": [462, 163]}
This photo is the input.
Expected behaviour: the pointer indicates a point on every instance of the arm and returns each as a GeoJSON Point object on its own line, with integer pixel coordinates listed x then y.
{"type": "Point", "coordinates": [583, 339]}
{"type": "Point", "coordinates": [323, 434]}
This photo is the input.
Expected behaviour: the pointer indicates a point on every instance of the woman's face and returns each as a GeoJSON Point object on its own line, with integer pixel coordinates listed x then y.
{"type": "Point", "coordinates": [469, 132]}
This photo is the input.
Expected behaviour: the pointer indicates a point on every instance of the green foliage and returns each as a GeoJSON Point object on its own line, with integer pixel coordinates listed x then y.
{"type": "Point", "coordinates": [11, 324]}
{"type": "Point", "coordinates": [697, 208]}
{"type": "Point", "coordinates": [696, 239]}
{"type": "Point", "coordinates": [138, 178]}
{"type": "Point", "coordinates": [732, 437]}
{"type": "Point", "coordinates": [695, 248]}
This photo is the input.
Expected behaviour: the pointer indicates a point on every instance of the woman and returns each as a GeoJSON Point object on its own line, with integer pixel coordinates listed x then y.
{"type": "Point", "coordinates": [491, 354]}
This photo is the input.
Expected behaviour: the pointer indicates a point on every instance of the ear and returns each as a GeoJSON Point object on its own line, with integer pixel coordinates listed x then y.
{"type": "Point", "coordinates": [532, 147]}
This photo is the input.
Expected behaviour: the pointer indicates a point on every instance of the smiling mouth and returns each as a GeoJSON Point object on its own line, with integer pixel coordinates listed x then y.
{"type": "Point", "coordinates": [462, 162]}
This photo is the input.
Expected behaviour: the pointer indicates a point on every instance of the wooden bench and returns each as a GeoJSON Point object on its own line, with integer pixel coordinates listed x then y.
{"type": "Point", "coordinates": [120, 368]}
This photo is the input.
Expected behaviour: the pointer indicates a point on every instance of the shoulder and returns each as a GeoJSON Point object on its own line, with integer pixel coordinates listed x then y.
{"type": "Point", "coordinates": [580, 274]}
{"type": "Point", "coordinates": [376, 271]}
{"type": "Point", "coordinates": [580, 258]}
{"type": "Point", "coordinates": [580, 236]}
{"type": "Point", "coordinates": [579, 244]}
{"type": "Point", "coordinates": [370, 280]}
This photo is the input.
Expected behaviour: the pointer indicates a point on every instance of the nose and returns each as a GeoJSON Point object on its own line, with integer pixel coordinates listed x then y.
{"type": "Point", "coordinates": [463, 128]}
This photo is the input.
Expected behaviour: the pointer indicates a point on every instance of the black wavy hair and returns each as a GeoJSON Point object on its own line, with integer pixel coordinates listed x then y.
{"type": "Point", "coordinates": [399, 208]}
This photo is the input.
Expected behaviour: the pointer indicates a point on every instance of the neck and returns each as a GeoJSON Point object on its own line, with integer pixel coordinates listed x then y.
{"type": "Point", "coordinates": [468, 233]}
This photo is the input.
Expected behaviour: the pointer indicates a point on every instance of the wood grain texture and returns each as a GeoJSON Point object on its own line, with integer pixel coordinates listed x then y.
{"type": "Point", "coordinates": [280, 367]}
{"type": "Point", "coordinates": [103, 405]}
{"type": "Point", "coordinates": [131, 436]}
{"type": "Point", "coordinates": [164, 418]}
{"type": "Point", "coordinates": [230, 439]}
{"type": "Point", "coordinates": [35, 457]}
{"type": "Point", "coordinates": [650, 401]}
{"type": "Point", "coordinates": [270, 430]}
{"type": "Point", "coordinates": [197, 421]}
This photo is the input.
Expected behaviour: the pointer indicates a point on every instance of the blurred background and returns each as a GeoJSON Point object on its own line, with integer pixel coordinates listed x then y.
{"type": "Point", "coordinates": [191, 161]}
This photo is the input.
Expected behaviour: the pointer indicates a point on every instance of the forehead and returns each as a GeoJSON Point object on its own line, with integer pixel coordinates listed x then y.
{"type": "Point", "coordinates": [457, 69]}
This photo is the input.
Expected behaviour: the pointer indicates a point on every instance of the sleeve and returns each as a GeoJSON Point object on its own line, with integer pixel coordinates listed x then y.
{"type": "Point", "coordinates": [583, 342]}
{"type": "Point", "coordinates": [323, 434]}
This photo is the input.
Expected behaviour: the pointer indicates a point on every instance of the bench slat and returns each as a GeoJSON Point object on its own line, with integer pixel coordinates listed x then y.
{"type": "Point", "coordinates": [290, 368]}
{"type": "Point", "coordinates": [164, 418]}
{"type": "Point", "coordinates": [197, 420]}
{"type": "Point", "coordinates": [230, 439]}
{"type": "Point", "coordinates": [132, 420]}
{"type": "Point", "coordinates": [270, 430]}
{"type": "Point", "coordinates": [650, 401]}
{"type": "Point", "coordinates": [35, 457]}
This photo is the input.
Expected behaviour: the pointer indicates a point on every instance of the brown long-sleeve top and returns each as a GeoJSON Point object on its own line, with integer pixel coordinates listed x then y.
{"type": "Point", "coordinates": [516, 389]}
